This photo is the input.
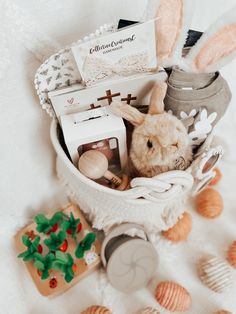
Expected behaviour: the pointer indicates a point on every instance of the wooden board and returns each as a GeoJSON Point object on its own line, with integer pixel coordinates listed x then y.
{"type": "Point", "coordinates": [84, 266]}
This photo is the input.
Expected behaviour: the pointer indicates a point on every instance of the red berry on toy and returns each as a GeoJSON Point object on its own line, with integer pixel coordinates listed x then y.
{"type": "Point", "coordinates": [53, 283]}
{"type": "Point", "coordinates": [40, 248]}
{"type": "Point", "coordinates": [74, 268]}
{"type": "Point", "coordinates": [53, 229]}
{"type": "Point", "coordinates": [79, 227]}
{"type": "Point", "coordinates": [39, 272]}
{"type": "Point", "coordinates": [69, 231]}
{"type": "Point", "coordinates": [64, 246]}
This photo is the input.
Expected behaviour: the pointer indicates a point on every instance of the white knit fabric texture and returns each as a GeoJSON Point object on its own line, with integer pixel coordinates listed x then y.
{"type": "Point", "coordinates": [27, 166]}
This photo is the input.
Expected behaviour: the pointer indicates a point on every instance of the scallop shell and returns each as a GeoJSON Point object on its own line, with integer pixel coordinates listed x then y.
{"type": "Point", "coordinates": [214, 273]}
{"type": "Point", "coordinates": [96, 309]}
{"type": "Point", "coordinates": [149, 310]}
{"type": "Point", "coordinates": [180, 230]}
{"type": "Point", "coordinates": [217, 177]}
{"type": "Point", "coordinates": [222, 312]}
{"type": "Point", "coordinates": [209, 203]}
{"type": "Point", "coordinates": [231, 256]}
{"type": "Point", "coordinates": [173, 297]}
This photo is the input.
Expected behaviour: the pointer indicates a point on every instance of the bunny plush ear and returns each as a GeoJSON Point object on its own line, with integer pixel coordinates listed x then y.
{"type": "Point", "coordinates": [173, 21]}
{"type": "Point", "coordinates": [127, 112]}
{"type": "Point", "coordinates": [216, 47]}
{"type": "Point", "coordinates": [157, 98]}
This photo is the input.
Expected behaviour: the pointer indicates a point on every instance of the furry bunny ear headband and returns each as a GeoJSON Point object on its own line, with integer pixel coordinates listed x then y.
{"type": "Point", "coordinates": [173, 21]}
{"type": "Point", "coordinates": [216, 48]}
{"type": "Point", "coordinates": [133, 115]}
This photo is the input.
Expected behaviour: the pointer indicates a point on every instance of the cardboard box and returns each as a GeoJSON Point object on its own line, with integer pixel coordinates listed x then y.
{"type": "Point", "coordinates": [90, 127]}
{"type": "Point", "coordinates": [84, 266]}
{"type": "Point", "coordinates": [133, 91]}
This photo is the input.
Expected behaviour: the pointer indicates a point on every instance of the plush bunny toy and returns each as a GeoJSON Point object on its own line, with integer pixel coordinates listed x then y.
{"type": "Point", "coordinates": [160, 141]}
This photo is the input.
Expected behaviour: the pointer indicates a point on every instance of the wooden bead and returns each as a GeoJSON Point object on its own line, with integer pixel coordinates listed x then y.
{"type": "Point", "coordinates": [93, 164]}
{"type": "Point", "coordinates": [209, 203]}
{"type": "Point", "coordinates": [173, 297]}
{"type": "Point", "coordinates": [149, 310]}
{"type": "Point", "coordinates": [231, 256]}
{"type": "Point", "coordinates": [217, 177]}
{"type": "Point", "coordinates": [180, 230]}
{"type": "Point", "coordinates": [97, 309]}
{"type": "Point", "coordinates": [222, 312]}
{"type": "Point", "coordinates": [215, 273]}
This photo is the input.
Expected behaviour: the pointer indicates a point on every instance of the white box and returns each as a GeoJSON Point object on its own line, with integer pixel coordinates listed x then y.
{"type": "Point", "coordinates": [77, 98]}
{"type": "Point", "coordinates": [92, 126]}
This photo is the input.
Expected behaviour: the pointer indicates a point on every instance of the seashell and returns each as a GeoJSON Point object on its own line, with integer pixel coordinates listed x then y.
{"type": "Point", "coordinates": [222, 312]}
{"type": "Point", "coordinates": [96, 309]}
{"type": "Point", "coordinates": [149, 310]}
{"type": "Point", "coordinates": [180, 230]}
{"type": "Point", "coordinates": [217, 177]}
{"type": "Point", "coordinates": [173, 297]}
{"type": "Point", "coordinates": [214, 273]}
{"type": "Point", "coordinates": [231, 256]}
{"type": "Point", "coordinates": [209, 203]}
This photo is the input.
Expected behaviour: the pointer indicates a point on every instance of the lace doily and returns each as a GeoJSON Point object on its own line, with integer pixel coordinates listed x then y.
{"type": "Point", "coordinates": [60, 70]}
{"type": "Point", "coordinates": [97, 68]}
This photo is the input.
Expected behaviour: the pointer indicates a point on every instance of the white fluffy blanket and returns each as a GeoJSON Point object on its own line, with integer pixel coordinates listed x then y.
{"type": "Point", "coordinates": [30, 31]}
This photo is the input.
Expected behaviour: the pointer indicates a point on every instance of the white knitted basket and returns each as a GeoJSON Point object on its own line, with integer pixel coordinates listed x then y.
{"type": "Point", "coordinates": [156, 203]}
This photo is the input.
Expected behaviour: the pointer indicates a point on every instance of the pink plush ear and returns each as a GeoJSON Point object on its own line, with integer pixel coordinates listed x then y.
{"type": "Point", "coordinates": [216, 47]}
{"type": "Point", "coordinates": [127, 112]}
{"type": "Point", "coordinates": [158, 94]}
{"type": "Point", "coordinates": [173, 19]}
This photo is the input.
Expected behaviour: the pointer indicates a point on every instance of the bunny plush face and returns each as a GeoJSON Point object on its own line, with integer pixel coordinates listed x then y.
{"type": "Point", "coordinates": [160, 141]}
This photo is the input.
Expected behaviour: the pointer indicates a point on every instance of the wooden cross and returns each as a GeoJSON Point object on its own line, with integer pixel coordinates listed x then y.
{"type": "Point", "coordinates": [128, 99]}
{"type": "Point", "coordinates": [92, 106]}
{"type": "Point", "coordinates": [109, 96]}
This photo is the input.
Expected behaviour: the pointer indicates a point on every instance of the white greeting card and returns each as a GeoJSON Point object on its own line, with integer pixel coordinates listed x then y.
{"type": "Point", "coordinates": [127, 52]}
